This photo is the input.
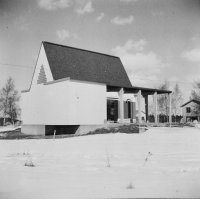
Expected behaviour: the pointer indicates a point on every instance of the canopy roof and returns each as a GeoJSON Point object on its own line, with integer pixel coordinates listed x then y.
{"type": "Point", "coordinates": [134, 90]}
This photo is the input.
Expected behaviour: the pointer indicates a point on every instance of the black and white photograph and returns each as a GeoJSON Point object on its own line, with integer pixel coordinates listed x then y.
{"type": "Point", "coordinates": [99, 99]}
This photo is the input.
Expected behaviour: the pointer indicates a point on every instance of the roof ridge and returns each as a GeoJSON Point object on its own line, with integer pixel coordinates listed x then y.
{"type": "Point", "coordinates": [192, 100]}
{"type": "Point", "coordinates": [80, 49]}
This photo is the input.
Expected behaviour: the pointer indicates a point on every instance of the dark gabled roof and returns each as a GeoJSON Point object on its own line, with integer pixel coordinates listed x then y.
{"type": "Point", "coordinates": [193, 100]}
{"type": "Point", "coordinates": [148, 91]}
{"type": "Point", "coordinates": [85, 65]}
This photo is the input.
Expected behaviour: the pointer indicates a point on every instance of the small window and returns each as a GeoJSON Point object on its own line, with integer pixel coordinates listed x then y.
{"type": "Point", "coordinates": [187, 109]}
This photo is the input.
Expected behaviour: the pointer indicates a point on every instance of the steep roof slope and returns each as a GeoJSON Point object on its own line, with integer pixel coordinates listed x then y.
{"type": "Point", "coordinates": [85, 65]}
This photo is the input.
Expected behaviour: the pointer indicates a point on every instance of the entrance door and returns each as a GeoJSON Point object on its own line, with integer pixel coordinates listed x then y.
{"type": "Point", "coordinates": [112, 110]}
{"type": "Point", "coordinates": [129, 109]}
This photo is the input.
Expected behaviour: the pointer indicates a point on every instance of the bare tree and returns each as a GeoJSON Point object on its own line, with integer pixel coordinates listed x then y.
{"type": "Point", "coordinates": [9, 98]}
{"type": "Point", "coordinates": [195, 94]}
{"type": "Point", "coordinates": [163, 105]}
{"type": "Point", "coordinates": [176, 100]}
{"type": "Point", "coordinates": [150, 108]}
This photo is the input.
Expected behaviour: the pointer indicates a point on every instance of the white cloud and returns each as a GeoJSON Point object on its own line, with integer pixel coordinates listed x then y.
{"type": "Point", "coordinates": [122, 21]}
{"type": "Point", "coordinates": [130, 45]}
{"type": "Point", "coordinates": [194, 39]}
{"type": "Point", "coordinates": [53, 4]}
{"type": "Point", "coordinates": [138, 63]}
{"type": "Point", "coordinates": [148, 62]}
{"type": "Point", "coordinates": [86, 8]}
{"type": "Point", "coordinates": [21, 23]}
{"type": "Point", "coordinates": [64, 34]}
{"type": "Point", "coordinates": [157, 13]}
{"type": "Point", "coordinates": [192, 55]}
{"type": "Point", "coordinates": [141, 80]}
{"type": "Point", "coordinates": [100, 17]}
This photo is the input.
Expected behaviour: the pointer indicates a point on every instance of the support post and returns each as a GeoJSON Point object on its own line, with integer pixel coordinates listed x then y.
{"type": "Point", "coordinates": [134, 107]}
{"type": "Point", "coordinates": [146, 108]}
{"type": "Point", "coordinates": [155, 107]}
{"type": "Point", "coordinates": [121, 105]}
{"type": "Point", "coordinates": [139, 106]}
{"type": "Point", "coordinates": [170, 116]}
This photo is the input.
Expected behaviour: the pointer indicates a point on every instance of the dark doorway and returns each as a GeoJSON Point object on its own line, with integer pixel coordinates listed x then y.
{"type": "Point", "coordinates": [112, 110]}
{"type": "Point", "coordinates": [129, 109]}
{"type": "Point", "coordinates": [61, 129]}
{"type": "Point", "coordinates": [191, 118]}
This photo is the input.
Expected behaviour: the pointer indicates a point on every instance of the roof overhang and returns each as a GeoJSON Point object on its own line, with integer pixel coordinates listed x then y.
{"type": "Point", "coordinates": [134, 90]}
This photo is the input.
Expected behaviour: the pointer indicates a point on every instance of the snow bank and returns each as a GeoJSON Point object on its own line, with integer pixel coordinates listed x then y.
{"type": "Point", "coordinates": [77, 166]}
{"type": "Point", "coordinates": [9, 128]}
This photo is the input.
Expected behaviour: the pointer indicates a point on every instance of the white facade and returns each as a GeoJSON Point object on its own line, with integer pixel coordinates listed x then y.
{"type": "Point", "coordinates": [67, 102]}
{"type": "Point", "coordinates": [61, 102]}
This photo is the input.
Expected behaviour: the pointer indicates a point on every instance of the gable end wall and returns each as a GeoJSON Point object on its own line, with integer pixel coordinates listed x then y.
{"type": "Point", "coordinates": [46, 74]}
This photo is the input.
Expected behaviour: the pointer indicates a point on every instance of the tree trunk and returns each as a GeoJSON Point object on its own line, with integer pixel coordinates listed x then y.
{"type": "Point", "coordinates": [13, 122]}
{"type": "Point", "coordinates": [4, 120]}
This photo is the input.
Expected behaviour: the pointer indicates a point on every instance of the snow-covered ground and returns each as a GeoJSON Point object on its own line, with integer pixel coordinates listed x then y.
{"type": "Point", "coordinates": [77, 166]}
{"type": "Point", "coordinates": [9, 128]}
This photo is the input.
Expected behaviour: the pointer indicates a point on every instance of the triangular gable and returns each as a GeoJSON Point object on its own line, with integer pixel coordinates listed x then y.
{"type": "Point", "coordinates": [42, 72]}
{"type": "Point", "coordinates": [195, 101]}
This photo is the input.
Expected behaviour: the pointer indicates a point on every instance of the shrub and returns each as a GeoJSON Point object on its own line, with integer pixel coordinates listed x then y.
{"type": "Point", "coordinates": [130, 186]}
{"type": "Point", "coordinates": [8, 124]}
{"type": "Point", "coordinates": [29, 163]}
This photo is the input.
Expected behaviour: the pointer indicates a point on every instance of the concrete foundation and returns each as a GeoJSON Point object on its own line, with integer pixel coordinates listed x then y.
{"type": "Point", "coordinates": [84, 129]}
{"type": "Point", "coordinates": [60, 129]}
{"type": "Point", "coordinates": [33, 129]}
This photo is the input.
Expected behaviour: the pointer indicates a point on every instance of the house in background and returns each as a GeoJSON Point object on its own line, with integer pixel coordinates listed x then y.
{"type": "Point", "coordinates": [188, 113]}
{"type": "Point", "coordinates": [72, 92]}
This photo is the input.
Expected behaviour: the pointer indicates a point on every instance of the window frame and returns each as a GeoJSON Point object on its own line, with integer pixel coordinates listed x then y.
{"type": "Point", "coordinates": [188, 109]}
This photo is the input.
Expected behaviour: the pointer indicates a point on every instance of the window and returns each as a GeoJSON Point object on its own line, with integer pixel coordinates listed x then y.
{"type": "Point", "coordinates": [187, 109]}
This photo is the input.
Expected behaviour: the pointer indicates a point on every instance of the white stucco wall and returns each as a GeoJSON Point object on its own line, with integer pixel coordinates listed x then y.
{"type": "Point", "coordinates": [56, 103]}
{"type": "Point", "coordinates": [67, 102]}
{"type": "Point", "coordinates": [87, 103]}
{"type": "Point", "coordinates": [32, 106]}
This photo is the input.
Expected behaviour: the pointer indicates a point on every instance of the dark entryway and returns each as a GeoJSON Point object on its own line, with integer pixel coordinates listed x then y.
{"type": "Point", "coordinates": [112, 110]}
{"type": "Point", "coordinates": [129, 109]}
{"type": "Point", "coordinates": [191, 118]}
{"type": "Point", "coordinates": [61, 129]}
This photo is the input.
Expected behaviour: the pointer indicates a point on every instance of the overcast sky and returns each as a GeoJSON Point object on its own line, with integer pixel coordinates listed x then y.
{"type": "Point", "coordinates": [156, 40]}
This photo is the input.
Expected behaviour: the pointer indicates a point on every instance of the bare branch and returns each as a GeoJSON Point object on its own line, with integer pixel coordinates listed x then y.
{"type": "Point", "coordinates": [9, 97]}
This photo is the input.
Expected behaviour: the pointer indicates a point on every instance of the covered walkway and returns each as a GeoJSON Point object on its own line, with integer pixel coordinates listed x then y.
{"type": "Point", "coordinates": [140, 91]}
